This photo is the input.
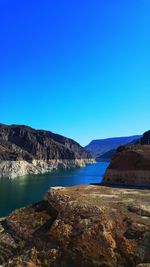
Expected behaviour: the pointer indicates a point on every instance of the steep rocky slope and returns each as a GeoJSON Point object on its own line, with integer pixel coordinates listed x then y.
{"type": "Point", "coordinates": [82, 226]}
{"type": "Point", "coordinates": [99, 147]}
{"type": "Point", "coordinates": [25, 150]}
{"type": "Point", "coordinates": [131, 163]}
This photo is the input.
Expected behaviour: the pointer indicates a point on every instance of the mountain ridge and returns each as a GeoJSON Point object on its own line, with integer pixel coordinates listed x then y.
{"type": "Point", "coordinates": [98, 147]}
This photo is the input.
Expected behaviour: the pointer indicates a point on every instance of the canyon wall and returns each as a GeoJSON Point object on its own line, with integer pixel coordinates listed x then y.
{"type": "Point", "coordinates": [24, 150]}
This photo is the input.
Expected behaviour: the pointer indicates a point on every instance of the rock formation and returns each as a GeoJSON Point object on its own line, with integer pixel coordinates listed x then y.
{"type": "Point", "coordinates": [24, 150]}
{"type": "Point", "coordinates": [131, 163]}
{"type": "Point", "coordinates": [81, 226]}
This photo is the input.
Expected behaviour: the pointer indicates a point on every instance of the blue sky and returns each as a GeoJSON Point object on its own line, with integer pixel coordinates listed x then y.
{"type": "Point", "coordinates": [80, 68]}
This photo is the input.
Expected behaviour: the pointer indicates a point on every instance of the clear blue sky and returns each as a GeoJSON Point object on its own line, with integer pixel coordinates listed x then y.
{"type": "Point", "coordinates": [80, 68]}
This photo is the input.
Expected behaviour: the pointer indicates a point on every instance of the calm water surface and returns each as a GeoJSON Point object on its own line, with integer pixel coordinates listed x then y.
{"type": "Point", "coordinates": [21, 191]}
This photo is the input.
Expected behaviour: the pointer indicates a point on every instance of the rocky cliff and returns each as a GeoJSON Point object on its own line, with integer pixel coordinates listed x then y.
{"type": "Point", "coordinates": [131, 163]}
{"type": "Point", "coordinates": [81, 226]}
{"type": "Point", "coordinates": [24, 150]}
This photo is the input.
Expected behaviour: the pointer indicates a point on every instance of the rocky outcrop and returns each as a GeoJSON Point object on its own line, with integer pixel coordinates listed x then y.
{"type": "Point", "coordinates": [131, 164]}
{"type": "Point", "coordinates": [24, 150]}
{"type": "Point", "coordinates": [93, 226]}
{"type": "Point", "coordinates": [145, 140]}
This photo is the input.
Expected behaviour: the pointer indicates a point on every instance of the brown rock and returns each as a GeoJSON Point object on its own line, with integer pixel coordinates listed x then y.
{"type": "Point", "coordinates": [21, 142]}
{"type": "Point", "coordinates": [85, 226]}
{"type": "Point", "coordinates": [129, 165]}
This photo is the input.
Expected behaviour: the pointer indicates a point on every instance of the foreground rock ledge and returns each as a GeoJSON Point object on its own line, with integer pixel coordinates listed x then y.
{"type": "Point", "coordinates": [80, 226]}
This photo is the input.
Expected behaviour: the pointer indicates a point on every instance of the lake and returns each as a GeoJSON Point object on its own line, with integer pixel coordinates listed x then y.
{"type": "Point", "coordinates": [21, 191]}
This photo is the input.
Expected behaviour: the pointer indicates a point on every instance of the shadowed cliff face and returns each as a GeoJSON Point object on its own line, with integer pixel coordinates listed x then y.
{"type": "Point", "coordinates": [18, 142]}
{"type": "Point", "coordinates": [145, 140]}
{"type": "Point", "coordinates": [81, 226]}
{"type": "Point", "coordinates": [131, 163]}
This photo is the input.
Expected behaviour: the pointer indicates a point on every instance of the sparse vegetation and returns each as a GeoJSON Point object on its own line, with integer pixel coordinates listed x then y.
{"type": "Point", "coordinates": [21, 244]}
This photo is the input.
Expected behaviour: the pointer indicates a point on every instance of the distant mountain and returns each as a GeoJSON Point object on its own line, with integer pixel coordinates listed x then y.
{"type": "Point", "coordinates": [99, 147]}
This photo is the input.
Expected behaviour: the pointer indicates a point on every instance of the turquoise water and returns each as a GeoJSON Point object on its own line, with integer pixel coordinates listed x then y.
{"type": "Point", "coordinates": [21, 191]}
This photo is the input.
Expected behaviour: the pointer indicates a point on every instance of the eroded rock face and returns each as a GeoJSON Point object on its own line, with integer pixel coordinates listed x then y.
{"type": "Point", "coordinates": [24, 150]}
{"type": "Point", "coordinates": [81, 226]}
{"type": "Point", "coordinates": [11, 169]}
{"type": "Point", "coordinates": [130, 165]}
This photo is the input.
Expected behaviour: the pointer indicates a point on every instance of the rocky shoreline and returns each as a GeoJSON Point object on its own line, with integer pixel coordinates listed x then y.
{"type": "Point", "coordinates": [24, 150]}
{"type": "Point", "coordinates": [128, 177]}
{"type": "Point", "coordinates": [92, 226]}
{"type": "Point", "coordinates": [86, 225]}
{"type": "Point", "coordinates": [12, 169]}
